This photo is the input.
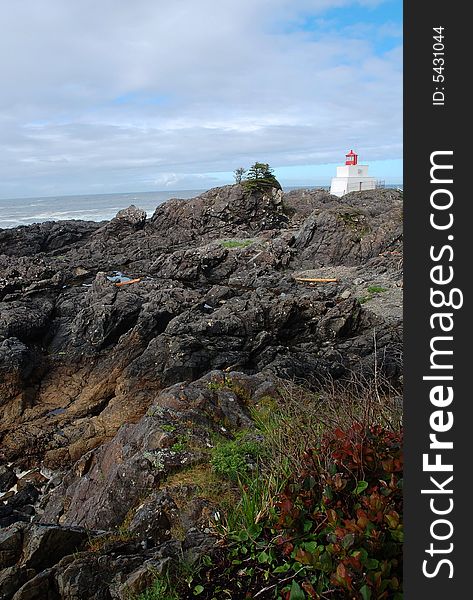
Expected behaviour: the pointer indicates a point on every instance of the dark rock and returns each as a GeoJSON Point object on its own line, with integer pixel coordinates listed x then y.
{"type": "Point", "coordinates": [12, 579]}
{"type": "Point", "coordinates": [301, 203]}
{"type": "Point", "coordinates": [7, 495]}
{"type": "Point", "coordinates": [152, 520]}
{"type": "Point", "coordinates": [126, 222]}
{"type": "Point", "coordinates": [94, 577]}
{"type": "Point", "coordinates": [34, 477]}
{"type": "Point", "coordinates": [5, 510]}
{"type": "Point", "coordinates": [96, 354]}
{"type": "Point", "coordinates": [39, 587]}
{"type": "Point", "coordinates": [7, 478]}
{"type": "Point", "coordinates": [133, 216]}
{"type": "Point", "coordinates": [352, 230]}
{"type": "Point", "coordinates": [14, 517]}
{"type": "Point", "coordinates": [229, 210]}
{"type": "Point", "coordinates": [44, 546]}
{"type": "Point", "coordinates": [11, 544]}
{"type": "Point", "coordinates": [44, 237]}
{"type": "Point", "coordinates": [28, 510]}
{"type": "Point", "coordinates": [25, 320]}
{"type": "Point", "coordinates": [28, 495]}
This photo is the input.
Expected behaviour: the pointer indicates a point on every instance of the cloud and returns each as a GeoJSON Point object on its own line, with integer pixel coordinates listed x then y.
{"type": "Point", "coordinates": [119, 95]}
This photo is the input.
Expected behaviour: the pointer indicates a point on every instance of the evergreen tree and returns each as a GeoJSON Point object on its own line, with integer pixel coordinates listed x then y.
{"type": "Point", "coordinates": [260, 175]}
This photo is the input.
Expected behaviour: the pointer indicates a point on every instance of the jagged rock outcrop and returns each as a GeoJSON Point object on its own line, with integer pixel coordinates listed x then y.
{"type": "Point", "coordinates": [352, 230]}
{"type": "Point", "coordinates": [228, 210]}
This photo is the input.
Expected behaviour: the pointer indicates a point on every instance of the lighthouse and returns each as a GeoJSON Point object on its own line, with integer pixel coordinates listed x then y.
{"type": "Point", "coordinates": [351, 177]}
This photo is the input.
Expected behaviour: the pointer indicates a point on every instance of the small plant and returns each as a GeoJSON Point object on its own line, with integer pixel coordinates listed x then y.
{"type": "Point", "coordinates": [121, 534]}
{"type": "Point", "coordinates": [179, 446]}
{"type": "Point", "coordinates": [238, 174]}
{"type": "Point", "coordinates": [341, 519]}
{"type": "Point", "coordinates": [155, 411]}
{"type": "Point", "coordinates": [175, 583]}
{"type": "Point", "coordinates": [168, 428]}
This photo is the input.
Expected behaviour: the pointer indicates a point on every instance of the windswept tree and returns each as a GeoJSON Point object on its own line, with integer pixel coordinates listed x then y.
{"type": "Point", "coordinates": [238, 174]}
{"type": "Point", "coordinates": [261, 175]}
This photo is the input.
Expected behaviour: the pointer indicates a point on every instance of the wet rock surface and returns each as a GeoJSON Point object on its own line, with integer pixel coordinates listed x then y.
{"type": "Point", "coordinates": [107, 382]}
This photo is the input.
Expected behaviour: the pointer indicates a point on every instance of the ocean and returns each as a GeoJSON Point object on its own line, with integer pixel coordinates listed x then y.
{"type": "Point", "coordinates": [91, 207]}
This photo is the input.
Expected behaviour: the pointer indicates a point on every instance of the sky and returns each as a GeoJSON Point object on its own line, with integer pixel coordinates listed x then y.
{"type": "Point", "coordinates": [115, 96]}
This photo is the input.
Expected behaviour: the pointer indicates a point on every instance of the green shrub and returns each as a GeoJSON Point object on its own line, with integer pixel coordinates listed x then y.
{"type": "Point", "coordinates": [340, 520]}
{"type": "Point", "coordinates": [260, 176]}
{"type": "Point", "coordinates": [336, 526]}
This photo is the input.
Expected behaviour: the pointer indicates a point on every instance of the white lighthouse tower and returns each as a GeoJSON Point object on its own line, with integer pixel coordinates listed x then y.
{"type": "Point", "coordinates": [351, 177]}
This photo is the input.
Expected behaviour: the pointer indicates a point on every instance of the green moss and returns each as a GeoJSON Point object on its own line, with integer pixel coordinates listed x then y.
{"type": "Point", "coordinates": [372, 290]}
{"type": "Point", "coordinates": [355, 221]}
{"type": "Point", "coordinates": [376, 289]}
{"type": "Point", "coordinates": [236, 243]}
{"type": "Point", "coordinates": [220, 384]}
{"type": "Point", "coordinates": [207, 484]}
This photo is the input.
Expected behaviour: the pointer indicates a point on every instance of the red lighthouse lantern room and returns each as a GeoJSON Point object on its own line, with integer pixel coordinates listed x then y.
{"type": "Point", "coordinates": [351, 158]}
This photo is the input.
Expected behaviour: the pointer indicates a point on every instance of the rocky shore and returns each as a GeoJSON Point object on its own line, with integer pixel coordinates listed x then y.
{"type": "Point", "coordinates": [115, 338]}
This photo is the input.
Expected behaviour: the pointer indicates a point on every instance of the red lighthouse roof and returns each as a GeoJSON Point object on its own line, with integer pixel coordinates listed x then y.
{"type": "Point", "coordinates": [351, 158]}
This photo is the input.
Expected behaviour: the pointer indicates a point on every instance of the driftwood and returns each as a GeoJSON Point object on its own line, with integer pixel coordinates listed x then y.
{"type": "Point", "coordinates": [120, 283]}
